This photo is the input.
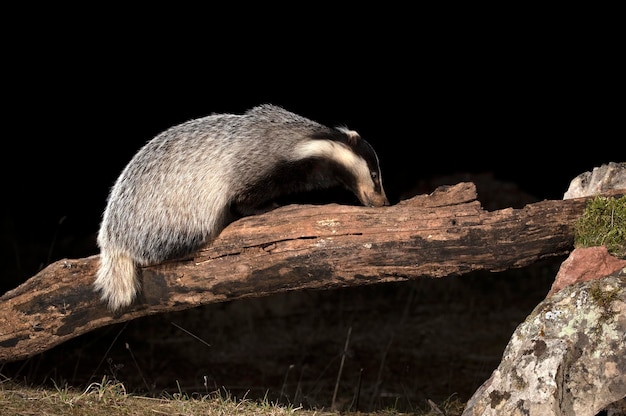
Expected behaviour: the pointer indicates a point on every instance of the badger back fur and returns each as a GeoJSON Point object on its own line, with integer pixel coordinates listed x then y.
{"type": "Point", "coordinates": [184, 186]}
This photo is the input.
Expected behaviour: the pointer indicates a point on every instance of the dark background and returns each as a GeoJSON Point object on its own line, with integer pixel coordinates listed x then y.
{"type": "Point", "coordinates": [533, 98]}
{"type": "Point", "coordinates": [535, 105]}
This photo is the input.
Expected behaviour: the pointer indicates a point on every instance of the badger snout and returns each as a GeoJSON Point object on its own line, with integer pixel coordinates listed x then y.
{"type": "Point", "coordinates": [379, 201]}
{"type": "Point", "coordinates": [374, 199]}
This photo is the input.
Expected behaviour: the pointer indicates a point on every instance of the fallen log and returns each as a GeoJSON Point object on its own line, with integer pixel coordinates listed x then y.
{"type": "Point", "coordinates": [297, 247]}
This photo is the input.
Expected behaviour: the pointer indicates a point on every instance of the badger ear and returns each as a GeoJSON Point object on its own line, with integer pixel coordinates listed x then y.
{"type": "Point", "coordinates": [352, 136]}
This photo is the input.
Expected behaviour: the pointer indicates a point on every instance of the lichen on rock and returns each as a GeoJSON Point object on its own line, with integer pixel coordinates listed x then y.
{"type": "Point", "coordinates": [567, 358]}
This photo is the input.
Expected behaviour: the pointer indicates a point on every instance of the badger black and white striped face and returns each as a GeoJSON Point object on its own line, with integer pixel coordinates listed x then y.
{"type": "Point", "coordinates": [359, 167]}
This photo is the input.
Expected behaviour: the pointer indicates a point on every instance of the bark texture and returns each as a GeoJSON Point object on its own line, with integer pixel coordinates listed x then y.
{"type": "Point", "coordinates": [298, 247]}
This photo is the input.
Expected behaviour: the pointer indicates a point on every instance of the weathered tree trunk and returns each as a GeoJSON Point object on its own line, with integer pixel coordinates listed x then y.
{"type": "Point", "coordinates": [297, 247]}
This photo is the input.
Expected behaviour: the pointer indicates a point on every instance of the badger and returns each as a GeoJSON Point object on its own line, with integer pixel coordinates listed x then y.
{"type": "Point", "coordinates": [184, 186]}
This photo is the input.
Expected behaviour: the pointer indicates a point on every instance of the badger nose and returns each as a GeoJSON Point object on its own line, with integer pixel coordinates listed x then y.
{"type": "Point", "coordinates": [376, 200]}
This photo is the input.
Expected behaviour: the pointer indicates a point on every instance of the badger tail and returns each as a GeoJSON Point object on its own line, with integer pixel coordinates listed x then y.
{"type": "Point", "coordinates": [116, 279]}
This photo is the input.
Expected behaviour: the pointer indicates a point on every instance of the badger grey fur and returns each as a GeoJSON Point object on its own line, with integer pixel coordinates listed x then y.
{"type": "Point", "coordinates": [184, 186]}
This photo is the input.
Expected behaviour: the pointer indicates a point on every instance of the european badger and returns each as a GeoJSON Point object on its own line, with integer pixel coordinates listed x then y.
{"type": "Point", "coordinates": [184, 186]}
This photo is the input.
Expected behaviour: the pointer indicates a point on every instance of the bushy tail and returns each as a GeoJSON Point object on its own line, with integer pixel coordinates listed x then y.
{"type": "Point", "coordinates": [116, 279]}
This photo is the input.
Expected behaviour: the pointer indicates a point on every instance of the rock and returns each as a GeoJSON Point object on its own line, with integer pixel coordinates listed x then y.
{"type": "Point", "coordinates": [603, 178]}
{"type": "Point", "coordinates": [617, 409]}
{"type": "Point", "coordinates": [586, 263]}
{"type": "Point", "coordinates": [568, 358]}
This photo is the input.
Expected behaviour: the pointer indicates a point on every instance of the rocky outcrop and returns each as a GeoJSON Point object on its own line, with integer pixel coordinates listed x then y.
{"type": "Point", "coordinates": [586, 263]}
{"type": "Point", "coordinates": [609, 176]}
{"type": "Point", "coordinates": [568, 358]}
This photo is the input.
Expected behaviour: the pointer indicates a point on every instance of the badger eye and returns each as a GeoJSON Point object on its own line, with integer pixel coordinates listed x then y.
{"type": "Point", "coordinates": [374, 175]}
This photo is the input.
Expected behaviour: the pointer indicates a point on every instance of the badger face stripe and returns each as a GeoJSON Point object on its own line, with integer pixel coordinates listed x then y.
{"type": "Point", "coordinates": [365, 180]}
{"type": "Point", "coordinates": [336, 151]}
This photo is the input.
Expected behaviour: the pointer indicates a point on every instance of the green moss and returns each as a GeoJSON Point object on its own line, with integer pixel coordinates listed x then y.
{"type": "Point", "coordinates": [603, 223]}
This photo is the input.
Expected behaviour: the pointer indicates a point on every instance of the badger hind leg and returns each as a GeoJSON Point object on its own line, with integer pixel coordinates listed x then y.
{"type": "Point", "coordinates": [116, 279]}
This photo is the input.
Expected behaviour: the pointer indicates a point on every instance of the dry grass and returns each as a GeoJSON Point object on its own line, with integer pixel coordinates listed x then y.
{"type": "Point", "coordinates": [110, 398]}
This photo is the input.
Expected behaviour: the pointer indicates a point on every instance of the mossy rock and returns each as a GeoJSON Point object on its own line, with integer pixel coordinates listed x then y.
{"type": "Point", "coordinates": [603, 223]}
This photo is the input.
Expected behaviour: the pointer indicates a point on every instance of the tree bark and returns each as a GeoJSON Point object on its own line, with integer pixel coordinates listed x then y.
{"type": "Point", "coordinates": [293, 248]}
